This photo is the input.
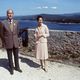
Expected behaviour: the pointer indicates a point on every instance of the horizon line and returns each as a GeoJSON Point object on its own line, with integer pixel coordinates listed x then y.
{"type": "Point", "coordinates": [44, 14]}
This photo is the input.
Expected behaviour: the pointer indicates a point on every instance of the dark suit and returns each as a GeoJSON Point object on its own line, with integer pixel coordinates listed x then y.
{"type": "Point", "coordinates": [1, 30]}
{"type": "Point", "coordinates": [10, 39]}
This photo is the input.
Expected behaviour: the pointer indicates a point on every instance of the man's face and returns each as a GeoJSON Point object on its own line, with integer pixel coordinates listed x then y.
{"type": "Point", "coordinates": [10, 14]}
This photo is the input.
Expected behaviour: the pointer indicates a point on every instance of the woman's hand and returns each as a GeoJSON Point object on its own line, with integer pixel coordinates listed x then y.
{"type": "Point", "coordinates": [41, 35]}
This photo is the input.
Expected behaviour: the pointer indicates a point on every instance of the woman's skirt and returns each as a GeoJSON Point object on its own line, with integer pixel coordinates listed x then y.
{"type": "Point", "coordinates": [41, 51]}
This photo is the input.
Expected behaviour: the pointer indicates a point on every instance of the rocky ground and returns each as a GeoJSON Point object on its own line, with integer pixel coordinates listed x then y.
{"type": "Point", "coordinates": [64, 45]}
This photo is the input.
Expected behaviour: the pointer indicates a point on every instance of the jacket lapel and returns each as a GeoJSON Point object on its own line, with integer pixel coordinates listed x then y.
{"type": "Point", "coordinates": [14, 25]}
{"type": "Point", "coordinates": [7, 24]}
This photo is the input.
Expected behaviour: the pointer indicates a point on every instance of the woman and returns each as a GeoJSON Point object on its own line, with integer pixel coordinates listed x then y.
{"type": "Point", "coordinates": [41, 34]}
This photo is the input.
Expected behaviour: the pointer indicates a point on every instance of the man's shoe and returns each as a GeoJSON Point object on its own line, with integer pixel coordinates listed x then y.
{"type": "Point", "coordinates": [18, 69]}
{"type": "Point", "coordinates": [11, 72]}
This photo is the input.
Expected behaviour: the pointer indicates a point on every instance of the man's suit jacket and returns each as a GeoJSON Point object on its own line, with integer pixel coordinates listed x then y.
{"type": "Point", "coordinates": [0, 29]}
{"type": "Point", "coordinates": [10, 38]}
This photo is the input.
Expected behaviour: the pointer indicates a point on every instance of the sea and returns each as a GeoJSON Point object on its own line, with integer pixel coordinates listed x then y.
{"type": "Point", "coordinates": [29, 24]}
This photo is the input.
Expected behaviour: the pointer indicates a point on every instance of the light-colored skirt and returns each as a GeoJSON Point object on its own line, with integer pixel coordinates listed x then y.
{"type": "Point", "coordinates": [41, 51]}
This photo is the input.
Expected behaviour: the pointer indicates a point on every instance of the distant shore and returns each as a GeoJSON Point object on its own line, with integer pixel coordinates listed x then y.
{"type": "Point", "coordinates": [58, 18]}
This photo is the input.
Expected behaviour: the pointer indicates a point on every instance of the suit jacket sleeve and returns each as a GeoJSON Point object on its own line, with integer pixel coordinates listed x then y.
{"type": "Point", "coordinates": [2, 34]}
{"type": "Point", "coordinates": [18, 33]}
{"type": "Point", "coordinates": [18, 29]}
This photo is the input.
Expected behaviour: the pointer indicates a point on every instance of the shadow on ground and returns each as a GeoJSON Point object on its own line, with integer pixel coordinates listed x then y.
{"type": "Point", "coordinates": [29, 62]}
{"type": "Point", "coordinates": [4, 63]}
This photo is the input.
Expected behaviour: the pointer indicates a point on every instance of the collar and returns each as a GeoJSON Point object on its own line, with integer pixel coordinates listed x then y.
{"type": "Point", "coordinates": [41, 24]}
{"type": "Point", "coordinates": [11, 21]}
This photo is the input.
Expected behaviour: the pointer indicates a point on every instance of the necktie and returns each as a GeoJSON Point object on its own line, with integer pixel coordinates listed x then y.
{"type": "Point", "coordinates": [11, 25]}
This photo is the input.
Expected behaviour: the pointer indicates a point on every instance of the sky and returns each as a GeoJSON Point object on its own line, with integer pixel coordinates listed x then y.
{"type": "Point", "coordinates": [31, 7]}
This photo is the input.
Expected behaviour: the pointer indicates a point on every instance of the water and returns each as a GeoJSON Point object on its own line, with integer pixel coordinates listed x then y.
{"type": "Point", "coordinates": [51, 25]}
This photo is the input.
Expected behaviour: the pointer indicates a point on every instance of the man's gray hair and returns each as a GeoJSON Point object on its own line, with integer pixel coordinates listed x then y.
{"type": "Point", "coordinates": [10, 10]}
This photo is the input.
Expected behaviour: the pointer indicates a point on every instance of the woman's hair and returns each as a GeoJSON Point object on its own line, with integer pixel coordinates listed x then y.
{"type": "Point", "coordinates": [39, 17]}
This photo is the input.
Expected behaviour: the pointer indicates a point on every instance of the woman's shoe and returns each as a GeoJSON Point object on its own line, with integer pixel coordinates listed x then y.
{"type": "Point", "coordinates": [45, 69]}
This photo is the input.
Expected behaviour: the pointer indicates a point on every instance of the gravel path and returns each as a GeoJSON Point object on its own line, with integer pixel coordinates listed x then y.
{"type": "Point", "coordinates": [31, 71]}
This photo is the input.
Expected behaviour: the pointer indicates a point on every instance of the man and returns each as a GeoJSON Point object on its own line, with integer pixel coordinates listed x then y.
{"type": "Point", "coordinates": [1, 33]}
{"type": "Point", "coordinates": [10, 39]}
{"type": "Point", "coordinates": [0, 29]}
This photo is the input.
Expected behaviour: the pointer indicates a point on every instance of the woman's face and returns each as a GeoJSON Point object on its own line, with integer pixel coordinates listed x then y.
{"type": "Point", "coordinates": [40, 21]}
